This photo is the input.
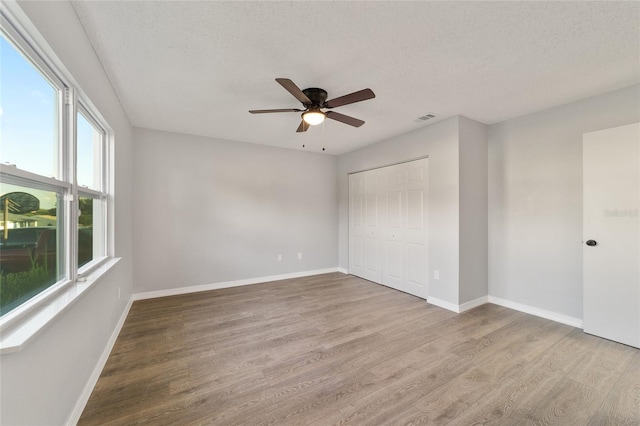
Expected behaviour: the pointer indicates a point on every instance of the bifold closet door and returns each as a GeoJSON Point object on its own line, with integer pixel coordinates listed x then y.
{"type": "Point", "coordinates": [364, 238]}
{"type": "Point", "coordinates": [400, 250]}
{"type": "Point", "coordinates": [411, 242]}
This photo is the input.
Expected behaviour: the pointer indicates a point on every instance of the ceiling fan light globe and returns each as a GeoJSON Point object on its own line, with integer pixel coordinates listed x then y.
{"type": "Point", "coordinates": [313, 117]}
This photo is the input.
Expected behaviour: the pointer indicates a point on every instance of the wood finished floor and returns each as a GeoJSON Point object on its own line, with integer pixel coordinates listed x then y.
{"type": "Point", "coordinates": [336, 349]}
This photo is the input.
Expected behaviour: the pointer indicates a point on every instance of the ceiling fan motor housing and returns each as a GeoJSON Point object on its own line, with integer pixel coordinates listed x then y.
{"type": "Point", "coordinates": [316, 95]}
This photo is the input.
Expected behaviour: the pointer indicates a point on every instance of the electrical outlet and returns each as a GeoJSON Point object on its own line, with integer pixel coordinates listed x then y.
{"type": "Point", "coordinates": [436, 275]}
{"type": "Point", "coordinates": [299, 256]}
{"type": "Point", "coordinates": [279, 258]}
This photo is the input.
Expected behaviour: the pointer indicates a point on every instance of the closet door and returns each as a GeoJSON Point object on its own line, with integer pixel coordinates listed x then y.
{"type": "Point", "coordinates": [415, 236]}
{"type": "Point", "coordinates": [406, 253]}
{"type": "Point", "coordinates": [395, 196]}
{"type": "Point", "coordinates": [364, 226]}
{"type": "Point", "coordinates": [388, 226]}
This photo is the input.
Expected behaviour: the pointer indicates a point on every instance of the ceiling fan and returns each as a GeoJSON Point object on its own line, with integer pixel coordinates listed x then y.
{"type": "Point", "coordinates": [314, 100]}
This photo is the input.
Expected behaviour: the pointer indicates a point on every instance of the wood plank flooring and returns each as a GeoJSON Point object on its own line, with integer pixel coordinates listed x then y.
{"type": "Point", "coordinates": [336, 349]}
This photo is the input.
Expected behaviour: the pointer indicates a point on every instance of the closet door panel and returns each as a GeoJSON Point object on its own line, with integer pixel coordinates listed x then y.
{"type": "Point", "coordinates": [394, 209]}
{"type": "Point", "coordinates": [393, 271]}
{"type": "Point", "coordinates": [415, 209]}
{"type": "Point", "coordinates": [415, 283]}
{"type": "Point", "coordinates": [357, 254]}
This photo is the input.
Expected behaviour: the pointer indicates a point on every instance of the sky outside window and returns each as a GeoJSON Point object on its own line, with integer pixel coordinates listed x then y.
{"type": "Point", "coordinates": [28, 115]}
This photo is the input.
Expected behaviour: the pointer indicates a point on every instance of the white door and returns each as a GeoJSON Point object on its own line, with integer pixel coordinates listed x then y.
{"type": "Point", "coordinates": [611, 249]}
{"type": "Point", "coordinates": [395, 198]}
{"type": "Point", "coordinates": [364, 224]}
{"type": "Point", "coordinates": [416, 230]}
{"type": "Point", "coordinates": [373, 267]}
{"type": "Point", "coordinates": [388, 244]}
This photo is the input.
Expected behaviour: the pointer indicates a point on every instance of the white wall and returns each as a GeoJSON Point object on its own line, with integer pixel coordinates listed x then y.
{"type": "Point", "coordinates": [208, 211]}
{"type": "Point", "coordinates": [535, 200]}
{"type": "Point", "coordinates": [440, 142]}
{"type": "Point", "coordinates": [41, 384]}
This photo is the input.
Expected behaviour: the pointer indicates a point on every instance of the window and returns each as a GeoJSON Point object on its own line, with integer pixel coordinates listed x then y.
{"type": "Point", "coordinates": [53, 179]}
{"type": "Point", "coordinates": [90, 177]}
{"type": "Point", "coordinates": [30, 259]}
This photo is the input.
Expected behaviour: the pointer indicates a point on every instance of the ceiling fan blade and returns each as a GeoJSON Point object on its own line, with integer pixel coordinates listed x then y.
{"type": "Point", "coordinates": [344, 118]}
{"type": "Point", "coordinates": [264, 111]}
{"type": "Point", "coordinates": [303, 126]}
{"type": "Point", "coordinates": [351, 98]}
{"type": "Point", "coordinates": [294, 90]}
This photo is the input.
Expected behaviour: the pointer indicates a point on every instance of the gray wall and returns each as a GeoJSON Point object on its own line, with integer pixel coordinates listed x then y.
{"type": "Point", "coordinates": [473, 210]}
{"type": "Point", "coordinates": [535, 200]}
{"type": "Point", "coordinates": [42, 383]}
{"type": "Point", "coordinates": [209, 210]}
{"type": "Point", "coordinates": [440, 142]}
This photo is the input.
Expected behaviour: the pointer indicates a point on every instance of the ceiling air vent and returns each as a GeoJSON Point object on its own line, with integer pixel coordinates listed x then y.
{"type": "Point", "coordinates": [426, 117]}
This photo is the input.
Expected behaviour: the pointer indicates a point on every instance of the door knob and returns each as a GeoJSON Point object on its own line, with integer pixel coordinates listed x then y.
{"type": "Point", "coordinates": [592, 243]}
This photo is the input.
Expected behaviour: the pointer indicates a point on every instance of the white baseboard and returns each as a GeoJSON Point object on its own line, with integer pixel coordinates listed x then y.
{"type": "Point", "coordinates": [343, 271]}
{"type": "Point", "coordinates": [227, 284]}
{"type": "Point", "coordinates": [443, 304]}
{"type": "Point", "coordinates": [473, 303]}
{"type": "Point", "coordinates": [542, 313]}
{"type": "Point", "coordinates": [97, 370]}
{"type": "Point", "coordinates": [457, 308]}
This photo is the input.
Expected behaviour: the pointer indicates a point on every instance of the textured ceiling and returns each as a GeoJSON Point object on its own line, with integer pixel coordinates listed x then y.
{"type": "Point", "coordinates": [198, 67]}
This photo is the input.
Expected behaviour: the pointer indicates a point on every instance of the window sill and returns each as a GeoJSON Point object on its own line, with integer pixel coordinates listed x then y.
{"type": "Point", "coordinates": [19, 334]}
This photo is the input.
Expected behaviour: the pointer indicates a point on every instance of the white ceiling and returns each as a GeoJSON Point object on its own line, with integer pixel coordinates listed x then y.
{"type": "Point", "coordinates": [197, 67]}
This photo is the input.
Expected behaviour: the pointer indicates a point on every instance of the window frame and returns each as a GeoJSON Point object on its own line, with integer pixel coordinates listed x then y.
{"type": "Point", "coordinates": [21, 323]}
{"type": "Point", "coordinates": [99, 194]}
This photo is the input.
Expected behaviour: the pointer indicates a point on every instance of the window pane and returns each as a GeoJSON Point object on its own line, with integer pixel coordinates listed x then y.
{"type": "Point", "coordinates": [89, 142]}
{"type": "Point", "coordinates": [90, 230]}
{"type": "Point", "coordinates": [30, 243]}
{"type": "Point", "coordinates": [28, 115]}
